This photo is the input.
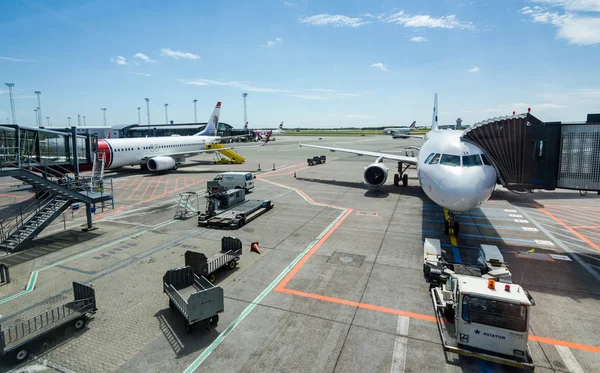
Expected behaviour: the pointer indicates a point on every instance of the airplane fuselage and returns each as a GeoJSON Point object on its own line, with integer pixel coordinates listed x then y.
{"type": "Point", "coordinates": [459, 180]}
{"type": "Point", "coordinates": [135, 151]}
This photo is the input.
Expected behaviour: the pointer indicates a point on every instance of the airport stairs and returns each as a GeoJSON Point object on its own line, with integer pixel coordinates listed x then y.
{"type": "Point", "coordinates": [16, 233]}
{"type": "Point", "coordinates": [230, 155]}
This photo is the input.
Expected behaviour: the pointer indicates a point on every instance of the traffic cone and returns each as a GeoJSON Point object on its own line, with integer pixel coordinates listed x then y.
{"type": "Point", "coordinates": [254, 247]}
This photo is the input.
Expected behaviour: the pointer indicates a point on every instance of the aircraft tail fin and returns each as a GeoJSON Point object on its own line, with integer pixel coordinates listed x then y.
{"type": "Point", "coordinates": [213, 122]}
{"type": "Point", "coordinates": [246, 126]}
{"type": "Point", "coordinates": [434, 121]}
{"type": "Point", "coordinates": [413, 124]}
{"type": "Point", "coordinates": [281, 125]}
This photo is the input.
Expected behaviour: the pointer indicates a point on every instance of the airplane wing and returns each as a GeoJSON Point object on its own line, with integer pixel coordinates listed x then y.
{"type": "Point", "coordinates": [399, 158]}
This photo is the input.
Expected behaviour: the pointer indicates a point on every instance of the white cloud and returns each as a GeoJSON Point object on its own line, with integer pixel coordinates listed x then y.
{"type": "Point", "coordinates": [119, 60]}
{"type": "Point", "coordinates": [144, 58]}
{"type": "Point", "coordinates": [358, 116]}
{"type": "Point", "coordinates": [308, 96]}
{"type": "Point", "coordinates": [15, 59]}
{"type": "Point", "coordinates": [141, 74]}
{"type": "Point", "coordinates": [178, 54]}
{"type": "Point", "coordinates": [271, 43]}
{"type": "Point", "coordinates": [573, 27]}
{"type": "Point", "coordinates": [474, 69]}
{"type": "Point", "coordinates": [287, 4]}
{"type": "Point", "coordinates": [427, 21]}
{"type": "Point", "coordinates": [333, 20]}
{"type": "Point", "coordinates": [321, 90]}
{"type": "Point", "coordinates": [348, 94]}
{"type": "Point", "coordinates": [418, 39]}
{"type": "Point", "coordinates": [245, 86]}
{"type": "Point", "coordinates": [573, 5]}
{"type": "Point", "coordinates": [381, 66]}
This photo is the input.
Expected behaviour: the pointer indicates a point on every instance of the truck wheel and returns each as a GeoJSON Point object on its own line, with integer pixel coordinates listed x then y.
{"type": "Point", "coordinates": [21, 355]}
{"type": "Point", "coordinates": [214, 320]}
{"type": "Point", "coordinates": [79, 323]}
{"type": "Point", "coordinates": [212, 278]}
{"type": "Point", "coordinates": [232, 264]}
{"type": "Point", "coordinates": [188, 327]}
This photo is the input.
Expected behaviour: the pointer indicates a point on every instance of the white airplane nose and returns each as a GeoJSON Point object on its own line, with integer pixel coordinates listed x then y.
{"type": "Point", "coordinates": [458, 194]}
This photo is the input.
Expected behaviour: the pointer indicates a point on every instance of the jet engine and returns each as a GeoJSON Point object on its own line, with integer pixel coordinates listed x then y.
{"type": "Point", "coordinates": [376, 174]}
{"type": "Point", "coordinates": [161, 164]}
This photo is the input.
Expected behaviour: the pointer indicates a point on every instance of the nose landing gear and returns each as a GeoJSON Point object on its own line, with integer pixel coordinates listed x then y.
{"type": "Point", "coordinates": [451, 226]}
{"type": "Point", "coordinates": [401, 176]}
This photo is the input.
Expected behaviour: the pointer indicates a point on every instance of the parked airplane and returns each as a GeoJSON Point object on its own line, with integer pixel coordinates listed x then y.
{"type": "Point", "coordinates": [161, 153]}
{"type": "Point", "coordinates": [453, 173]}
{"type": "Point", "coordinates": [402, 133]}
{"type": "Point", "coordinates": [399, 130]}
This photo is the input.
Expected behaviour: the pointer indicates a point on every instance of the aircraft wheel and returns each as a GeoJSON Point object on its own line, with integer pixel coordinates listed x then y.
{"type": "Point", "coordinates": [396, 179]}
{"type": "Point", "coordinates": [174, 167]}
{"type": "Point", "coordinates": [404, 180]}
{"type": "Point", "coordinates": [446, 228]}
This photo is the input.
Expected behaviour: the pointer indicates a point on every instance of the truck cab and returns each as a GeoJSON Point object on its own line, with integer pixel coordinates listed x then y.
{"type": "Point", "coordinates": [491, 316]}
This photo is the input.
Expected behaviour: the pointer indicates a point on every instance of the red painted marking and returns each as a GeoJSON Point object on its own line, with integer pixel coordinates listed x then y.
{"type": "Point", "coordinates": [104, 148]}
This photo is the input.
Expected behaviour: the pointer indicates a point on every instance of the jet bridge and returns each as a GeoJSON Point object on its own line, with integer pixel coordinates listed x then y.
{"type": "Point", "coordinates": [530, 154]}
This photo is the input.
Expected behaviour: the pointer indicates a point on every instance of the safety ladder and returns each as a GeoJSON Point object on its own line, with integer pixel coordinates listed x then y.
{"type": "Point", "coordinates": [98, 172]}
{"type": "Point", "coordinates": [184, 206]}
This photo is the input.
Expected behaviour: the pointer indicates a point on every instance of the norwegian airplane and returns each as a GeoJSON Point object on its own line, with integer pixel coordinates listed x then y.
{"type": "Point", "coordinates": [162, 153]}
{"type": "Point", "coordinates": [261, 133]}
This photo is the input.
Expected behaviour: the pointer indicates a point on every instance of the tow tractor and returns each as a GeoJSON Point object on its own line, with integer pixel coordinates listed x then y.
{"type": "Point", "coordinates": [479, 311]}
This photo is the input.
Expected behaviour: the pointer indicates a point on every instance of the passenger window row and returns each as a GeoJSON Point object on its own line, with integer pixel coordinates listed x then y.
{"type": "Point", "coordinates": [149, 147]}
{"type": "Point", "coordinates": [455, 160]}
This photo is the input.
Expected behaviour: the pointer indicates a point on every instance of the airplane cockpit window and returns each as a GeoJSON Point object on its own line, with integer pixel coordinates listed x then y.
{"type": "Point", "coordinates": [486, 160]}
{"type": "Point", "coordinates": [471, 160]}
{"type": "Point", "coordinates": [429, 158]}
{"type": "Point", "coordinates": [435, 159]}
{"type": "Point", "coordinates": [450, 160]}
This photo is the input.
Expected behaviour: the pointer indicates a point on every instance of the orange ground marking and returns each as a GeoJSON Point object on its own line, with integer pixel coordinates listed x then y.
{"type": "Point", "coordinates": [577, 234]}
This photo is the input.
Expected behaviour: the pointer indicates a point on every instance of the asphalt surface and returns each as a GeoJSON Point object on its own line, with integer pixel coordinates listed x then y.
{"type": "Point", "coordinates": [338, 286]}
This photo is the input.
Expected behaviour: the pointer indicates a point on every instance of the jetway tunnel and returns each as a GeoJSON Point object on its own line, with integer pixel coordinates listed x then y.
{"type": "Point", "coordinates": [530, 154]}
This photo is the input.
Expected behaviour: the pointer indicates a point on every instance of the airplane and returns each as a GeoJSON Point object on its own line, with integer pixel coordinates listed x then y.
{"type": "Point", "coordinates": [260, 133]}
{"type": "Point", "coordinates": [400, 130]}
{"type": "Point", "coordinates": [162, 153]}
{"type": "Point", "coordinates": [453, 173]}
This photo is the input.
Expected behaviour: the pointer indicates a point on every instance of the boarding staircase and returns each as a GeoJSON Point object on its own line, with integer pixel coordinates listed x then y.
{"type": "Point", "coordinates": [225, 156]}
{"type": "Point", "coordinates": [98, 172]}
{"type": "Point", "coordinates": [55, 189]}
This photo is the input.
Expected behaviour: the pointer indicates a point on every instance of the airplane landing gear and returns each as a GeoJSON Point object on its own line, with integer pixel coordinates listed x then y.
{"type": "Point", "coordinates": [401, 176]}
{"type": "Point", "coordinates": [451, 226]}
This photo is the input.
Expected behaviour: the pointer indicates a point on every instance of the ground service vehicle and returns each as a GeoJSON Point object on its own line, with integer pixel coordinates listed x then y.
{"type": "Point", "coordinates": [479, 311]}
{"type": "Point", "coordinates": [236, 180]}
{"type": "Point", "coordinates": [16, 338]}
{"type": "Point", "coordinates": [194, 296]}
{"type": "Point", "coordinates": [316, 160]}
{"type": "Point", "coordinates": [231, 249]}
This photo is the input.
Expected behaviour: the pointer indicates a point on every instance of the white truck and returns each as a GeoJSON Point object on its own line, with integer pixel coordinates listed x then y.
{"type": "Point", "coordinates": [236, 180]}
{"type": "Point", "coordinates": [479, 311]}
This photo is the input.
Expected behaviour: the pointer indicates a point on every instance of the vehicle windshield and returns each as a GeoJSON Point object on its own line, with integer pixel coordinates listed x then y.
{"type": "Point", "coordinates": [471, 160]}
{"type": "Point", "coordinates": [450, 160]}
{"type": "Point", "coordinates": [248, 176]}
{"type": "Point", "coordinates": [495, 313]}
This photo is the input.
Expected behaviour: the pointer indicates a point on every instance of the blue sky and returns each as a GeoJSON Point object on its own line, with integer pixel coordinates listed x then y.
{"type": "Point", "coordinates": [310, 63]}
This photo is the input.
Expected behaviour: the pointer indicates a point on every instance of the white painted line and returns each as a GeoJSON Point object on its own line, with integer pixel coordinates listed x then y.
{"type": "Point", "coordinates": [542, 242]}
{"type": "Point", "coordinates": [400, 346]}
{"type": "Point", "coordinates": [530, 229]}
{"type": "Point", "coordinates": [561, 257]}
{"type": "Point", "coordinates": [509, 210]}
{"type": "Point", "coordinates": [515, 215]}
{"type": "Point", "coordinates": [521, 221]}
{"type": "Point", "coordinates": [561, 244]}
{"type": "Point", "coordinates": [569, 360]}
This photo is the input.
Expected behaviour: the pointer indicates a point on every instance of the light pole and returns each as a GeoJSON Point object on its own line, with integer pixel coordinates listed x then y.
{"type": "Point", "coordinates": [69, 118]}
{"type": "Point", "coordinates": [37, 117]}
{"type": "Point", "coordinates": [38, 93]}
{"type": "Point", "coordinates": [104, 111]}
{"type": "Point", "coordinates": [166, 114]}
{"type": "Point", "coordinates": [12, 101]}
{"type": "Point", "coordinates": [78, 120]}
{"type": "Point", "coordinates": [148, 112]}
{"type": "Point", "coordinates": [48, 121]}
{"type": "Point", "coordinates": [195, 112]}
{"type": "Point", "coordinates": [244, 95]}
{"type": "Point", "coordinates": [84, 122]}
{"type": "Point", "coordinates": [139, 117]}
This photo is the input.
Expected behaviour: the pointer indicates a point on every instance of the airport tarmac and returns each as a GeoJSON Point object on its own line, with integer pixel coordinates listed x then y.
{"type": "Point", "coordinates": [338, 286]}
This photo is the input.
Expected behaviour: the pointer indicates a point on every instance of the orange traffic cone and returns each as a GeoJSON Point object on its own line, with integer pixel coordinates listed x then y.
{"type": "Point", "coordinates": [254, 247]}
